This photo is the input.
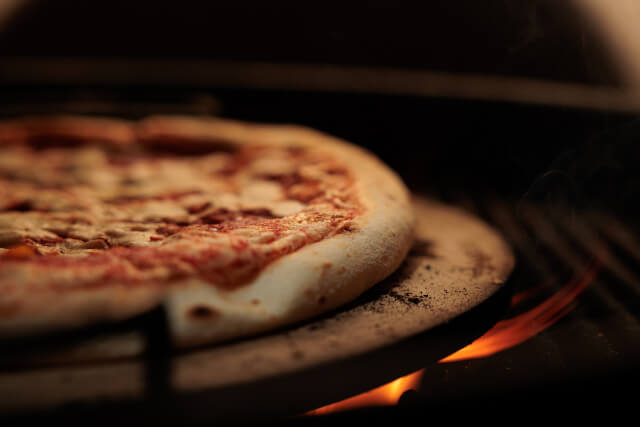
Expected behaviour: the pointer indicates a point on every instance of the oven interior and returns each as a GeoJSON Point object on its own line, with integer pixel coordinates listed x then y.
{"type": "Point", "coordinates": [558, 179]}
{"type": "Point", "coordinates": [558, 183]}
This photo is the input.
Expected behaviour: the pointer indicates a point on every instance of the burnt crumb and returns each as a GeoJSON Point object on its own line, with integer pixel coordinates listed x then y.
{"type": "Point", "coordinates": [202, 312]}
{"type": "Point", "coordinates": [349, 228]}
{"type": "Point", "coordinates": [322, 300]}
{"type": "Point", "coordinates": [427, 267]}
{"type": "Point", "coordinates": [408, 298]}
{"type": "Point", "coordinates": [423, 248]}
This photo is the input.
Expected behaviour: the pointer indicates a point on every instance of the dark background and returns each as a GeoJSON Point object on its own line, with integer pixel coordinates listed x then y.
{"type": "Point", "coordinates": [544, 39]}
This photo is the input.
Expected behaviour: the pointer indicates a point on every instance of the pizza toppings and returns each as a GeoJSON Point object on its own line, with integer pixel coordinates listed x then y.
{"type": "Point", "coordinates": [233, 228]}
{"type": "Point", "coordinates": [139, 217]}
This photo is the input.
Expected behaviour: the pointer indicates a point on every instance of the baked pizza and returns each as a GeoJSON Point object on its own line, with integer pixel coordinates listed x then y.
{"type": "Point", "coordinates": [233, 228]}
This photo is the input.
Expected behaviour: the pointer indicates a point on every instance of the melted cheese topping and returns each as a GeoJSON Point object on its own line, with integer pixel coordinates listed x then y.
{"type": "Point", "coordinates": [81, 217]}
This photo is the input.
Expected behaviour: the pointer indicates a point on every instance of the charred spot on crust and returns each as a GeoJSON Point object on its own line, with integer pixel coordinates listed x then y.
{"type": "Point", "coordinates": [202, 312]}
{"type": "Point", "coordinates": [322, 300]}
{"type": "Point", "coordinates": [349, 228]}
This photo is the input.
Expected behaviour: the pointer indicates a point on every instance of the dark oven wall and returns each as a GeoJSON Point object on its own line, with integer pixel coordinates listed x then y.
{"type": "Point", "coordinates": [541, 39]}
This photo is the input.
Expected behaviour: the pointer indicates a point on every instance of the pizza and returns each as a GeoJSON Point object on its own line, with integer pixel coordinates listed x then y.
{"type": "Point", "coordinates": [232, 228]}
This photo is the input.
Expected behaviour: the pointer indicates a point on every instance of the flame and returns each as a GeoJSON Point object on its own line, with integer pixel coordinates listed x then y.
{"type": "Point", "coordinates": [385, 395]}
{"type": "Point", "coordinates": [511, 332]}
{"type": "Point", "coordinates": [504, 334]}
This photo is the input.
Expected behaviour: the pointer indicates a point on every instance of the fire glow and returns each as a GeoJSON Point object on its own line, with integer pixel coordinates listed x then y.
{"type": "Point", "coordinates": [505, 334]}
{"type": "Point", "coordinates": [385, 395]}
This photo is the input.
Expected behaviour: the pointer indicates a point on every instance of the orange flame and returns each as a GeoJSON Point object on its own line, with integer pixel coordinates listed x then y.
{"type": "Point", "coordinates": [504, 334]}
{"type": "Point", "coordinates": [511, 332]}
{"type": "Point", "coordinates": [385, 395]}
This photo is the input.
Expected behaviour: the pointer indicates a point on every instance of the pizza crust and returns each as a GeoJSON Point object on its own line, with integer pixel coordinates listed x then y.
{"type": "Point", "coordinates": [297, 286]}
{"type": "Point", "coordinates": [315, 279]}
